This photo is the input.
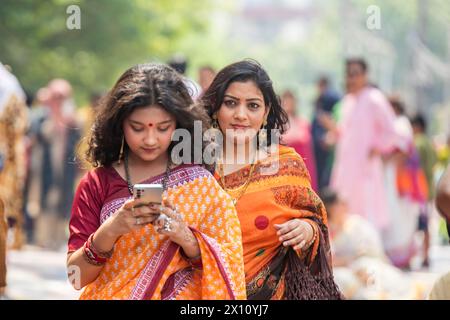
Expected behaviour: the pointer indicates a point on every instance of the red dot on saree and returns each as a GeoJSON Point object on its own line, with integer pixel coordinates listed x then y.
{"type": "Point", "coordinates": [261, 222]}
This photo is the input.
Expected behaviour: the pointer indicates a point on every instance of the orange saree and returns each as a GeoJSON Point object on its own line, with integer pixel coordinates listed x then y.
{"type": "Point", "coordinates": [279, 191]}
{"type": "Point", "coordinates": [147, 265]}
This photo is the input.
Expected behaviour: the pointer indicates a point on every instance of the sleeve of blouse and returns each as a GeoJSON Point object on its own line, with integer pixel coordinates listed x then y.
{"type": "Point", "coordinates": [85, 216]}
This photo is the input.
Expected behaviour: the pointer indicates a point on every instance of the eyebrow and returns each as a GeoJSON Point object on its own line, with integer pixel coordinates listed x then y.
{"type": "Point", "coordinates": [251, 99]}
{"type": "Point", "coordinates": [140, 123]}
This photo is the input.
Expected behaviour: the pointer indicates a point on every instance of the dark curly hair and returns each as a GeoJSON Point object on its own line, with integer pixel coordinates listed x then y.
{"type": "Point", "coordinates": [242, 71]}
{"type": "Point", "coordinates": [141, 86]}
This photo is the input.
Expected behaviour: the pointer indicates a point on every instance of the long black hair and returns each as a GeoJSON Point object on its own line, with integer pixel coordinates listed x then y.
{"type": "Point", "coordinates": [141, 86]}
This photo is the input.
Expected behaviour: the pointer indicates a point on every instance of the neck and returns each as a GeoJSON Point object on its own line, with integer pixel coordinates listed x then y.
{"type": "Point", "coordinates": [359, 90]}
{"type": "Point", "coordinates": [137, 163]}
{"type": "Point", "coordinates": [340, 219]}
{"type": "Point", "coordinates": [235, 154]}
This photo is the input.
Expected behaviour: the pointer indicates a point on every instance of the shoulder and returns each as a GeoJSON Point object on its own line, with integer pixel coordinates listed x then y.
{"type": "Point", "coordinates": [194, 179]}
{"type": "Point", "coordinates": [288, 162]}
{"type": "Point", "coordinates": [189, 173]}
{"type": "Point", "coordinates": [97, 177]}
{"type": "Point", "coordinates": [375, 96]}
{"type": "Point", "coordinates": [289, 154]}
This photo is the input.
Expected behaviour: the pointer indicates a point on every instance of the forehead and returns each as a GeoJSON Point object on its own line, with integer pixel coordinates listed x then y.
{"type": "Point", "coordinates": [354, 67]}
{"type": "Point", "coordinates": [244, 90]}
{"type": "Point", "coordinates": [207, 71]}
{"type": "Point", "coordinates": [151, 114]}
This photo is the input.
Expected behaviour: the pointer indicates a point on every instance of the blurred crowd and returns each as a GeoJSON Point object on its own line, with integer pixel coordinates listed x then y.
{"type": "Point", "coordinates": [374, 166]}
{"type": "Point", "coordinates": [42, 151]}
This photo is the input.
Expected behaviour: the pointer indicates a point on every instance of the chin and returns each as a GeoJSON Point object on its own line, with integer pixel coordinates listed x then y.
{"type": "Point", "coordinates": [241, 138]}
{"type": "Point", "coordinates": [149, 157]}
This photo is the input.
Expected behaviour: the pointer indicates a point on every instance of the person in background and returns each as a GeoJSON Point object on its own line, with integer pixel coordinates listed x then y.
{"type": "Point", "coordinates": [443, 197]}
{"type": "Point", "coordinates": [13, 124]}
{"type": "Point", "coordinates": [428, 159]}
{"type": "Point", "coordinates": [365, 132]}
{"type": "Point", "coordinates": [3, 238]}
{"type": "Point", "coordinates": [180, 64]}
{"type": "Point", "coordinates": [206, 75]}
{"type": "Point", "coordinates": [323, 152]}
{"type": "Point", "coordinates": [87, 116]}
{"type": "Point", "coordinates": [405, 189]}
{"type": "Point", "coordinates": [361, 268]}
{"type": "Point", "coordinates": [298, 135]}
{"type": "Point", "coordinates": [440, 289]}
{"type": "Point", "coordinates": [53, 168]}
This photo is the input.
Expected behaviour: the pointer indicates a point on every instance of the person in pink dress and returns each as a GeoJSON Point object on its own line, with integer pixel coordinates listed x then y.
{"type": "Point", "coordinates": [365, 133]}
{"type": "Point", "coordinates": [298, 135]}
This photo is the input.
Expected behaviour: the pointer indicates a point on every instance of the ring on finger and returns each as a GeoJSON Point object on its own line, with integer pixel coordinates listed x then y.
{"type": "Point", "coordinates": [168, 224]}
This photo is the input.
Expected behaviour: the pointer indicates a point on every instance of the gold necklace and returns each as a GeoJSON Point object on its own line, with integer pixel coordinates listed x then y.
{"type": "Point", "coordinates": [243, 187]}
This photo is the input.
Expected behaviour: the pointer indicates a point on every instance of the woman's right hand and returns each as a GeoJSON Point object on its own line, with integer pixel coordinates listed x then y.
{"type": "Point", "coordinates": [128, 218]}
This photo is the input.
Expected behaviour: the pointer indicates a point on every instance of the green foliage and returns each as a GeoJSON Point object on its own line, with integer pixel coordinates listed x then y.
{"type": "Point", "coordinates": [114, 35]}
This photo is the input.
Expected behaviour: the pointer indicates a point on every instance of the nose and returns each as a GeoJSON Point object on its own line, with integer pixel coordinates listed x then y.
{"type": "Point", "coordinates": [240, 112]}
{"type": "Point", "coordinates": [150, 138]}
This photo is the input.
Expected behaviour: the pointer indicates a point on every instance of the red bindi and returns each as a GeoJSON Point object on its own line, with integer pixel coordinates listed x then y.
{"type": "Point", "coordinates": [150, 124]}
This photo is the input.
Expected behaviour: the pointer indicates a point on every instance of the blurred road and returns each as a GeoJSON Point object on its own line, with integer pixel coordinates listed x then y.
{"type": "Point", "coordinates": [39, 274]}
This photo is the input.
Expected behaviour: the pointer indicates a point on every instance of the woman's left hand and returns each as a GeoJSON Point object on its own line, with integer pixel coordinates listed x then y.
{"type": "Point", "coordinates": [296, 233]}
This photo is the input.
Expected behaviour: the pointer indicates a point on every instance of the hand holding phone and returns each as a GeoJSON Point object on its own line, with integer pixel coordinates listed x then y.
{"type": "Point", "coordinates": [148, 193]}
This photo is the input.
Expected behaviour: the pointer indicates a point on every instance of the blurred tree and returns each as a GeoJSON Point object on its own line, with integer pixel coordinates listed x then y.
{"type": "Point", "coordinates": [114, 35]}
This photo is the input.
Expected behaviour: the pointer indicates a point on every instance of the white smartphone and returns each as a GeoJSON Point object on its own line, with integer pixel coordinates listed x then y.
{"type": "Point", "coordinates": [150, 193]}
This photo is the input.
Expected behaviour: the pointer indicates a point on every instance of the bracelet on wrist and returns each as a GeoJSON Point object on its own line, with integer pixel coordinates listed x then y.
{"type": "Point", "coordinates": [195, 262]}
{"type": "Point", "coordinates": [101, 254]}
{"type": "Point", "coordinates": [313, 239]}
{"type": "Point", "coordinates": [94, 256]}
{"type": "Point", "coordinates": [91, 258]}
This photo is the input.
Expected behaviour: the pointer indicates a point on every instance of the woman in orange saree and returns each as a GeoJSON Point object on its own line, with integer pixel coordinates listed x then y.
{"type": "Point", "coordinates": [283, 222]}
{"type": "Point", "coordinates": [188, 247]}
{"type": "Point", "coordinates": [148, 265]}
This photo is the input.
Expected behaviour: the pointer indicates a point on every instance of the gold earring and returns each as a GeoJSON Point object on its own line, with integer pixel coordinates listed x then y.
{"type": "Point", "coordinates": [121, 150]}
{"type": "Point", "coordinates": [215, 123]}
{"type": "Point", "coordinates": [262, 135]}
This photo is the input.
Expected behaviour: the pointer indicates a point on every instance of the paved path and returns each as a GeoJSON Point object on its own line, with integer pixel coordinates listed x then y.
{"type": "Point", "coordinates": [39, 274]}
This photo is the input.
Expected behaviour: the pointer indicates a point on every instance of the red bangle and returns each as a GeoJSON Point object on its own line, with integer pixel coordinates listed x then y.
{"type": "Point", "coordinates": [92, 255]}
{"type": "Point", "coordinates": [101, 254]}
{"type": "Point", "coordinates": [91, 258]}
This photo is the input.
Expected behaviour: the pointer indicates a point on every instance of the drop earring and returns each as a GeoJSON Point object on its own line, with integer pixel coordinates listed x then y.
{"type": "Point", "coordinates": [121, 150]}
{"type": "Point", "coordinates": [262, 135]}
{"type": "Point", "coordinates": [215, 123]}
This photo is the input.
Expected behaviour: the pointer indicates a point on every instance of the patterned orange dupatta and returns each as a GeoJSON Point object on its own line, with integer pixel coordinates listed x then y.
{"type": "Point", "coordinates": [279, 191]}
{"type": "Point", "coordinates": [147, 265]}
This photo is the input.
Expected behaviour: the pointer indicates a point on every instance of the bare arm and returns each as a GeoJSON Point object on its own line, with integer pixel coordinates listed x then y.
{"type": "Point", "coordinates": [80, 271]}
{"type": "Point", "coordinates": [443, 195]}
